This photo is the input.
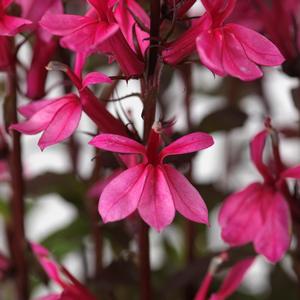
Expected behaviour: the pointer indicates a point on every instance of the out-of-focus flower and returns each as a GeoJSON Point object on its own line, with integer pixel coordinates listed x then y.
{"type": "Point", "coordinates": [72, 288]}
{"type": "Point", "coordinates": [9, 25]}
{"type": "Point", "coordinates": [99, 30]}
{"type": "Point", "coordinates": [154, 188]}
{"type": "Point", "coordinates": [231, 282]}
{"type": "Point", "coordinates": [260, 212]}
{"type": "Point", "coordinates": [225, 49]}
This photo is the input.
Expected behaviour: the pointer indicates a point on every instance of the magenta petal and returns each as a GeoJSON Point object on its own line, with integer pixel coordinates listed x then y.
{"type": "Point", "coordinates": [51, 297]}
{"type": "Point", "coordinates": [89, 36]}
{"type": "Point", "coordinates": [156, 206]}
{"type": "Point", "coordinates": [117, 143]}
{"type": "Point", "coordinates": [240, 216]}
{"type": "Point", "coordinates": [10, 26]}
{"type": "Point", "coordinates": [63, 124]}
{"type": "Point", "coordinates": [121, 196]}
{"type": "Point", "coordinates": [256, 151]}
{"type": "Point", "coordinates": [49, 266]}
{"type": "Point", "coordinates": [186, 198]}
{"type": "Point", "coordinates": [274, 238]}
{"type": "Point", "coordinates": [233, 279]}
{"type": "Point", "coordinates": [61, 24]}
{"type": "Point", "coordinates": [210, 48]}
{"type": "Point", "coordinates": [291, 173]}
{"type": "Point", "coordinates": [30, 109]}
{"type": "Point", "coordinates": [235, 61]}
{"type": "Point", "coordinates": [187, 144]}
{"type": "Point", "coordinates": [258, 48]}
{"type": "Point", "coordinates": [95, 78]}
{"type": "Point", "coordinates": [40, 120]}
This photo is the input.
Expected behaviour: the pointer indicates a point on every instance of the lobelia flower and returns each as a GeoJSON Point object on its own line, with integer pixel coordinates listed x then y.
{"type": "Point", "coordinates": [231, 282]}
{"type": "Point", "coordinates": [9, 25]}
{"type": "Point", "coordinates": [152, 187]}
{"type": "Point", "coordinates": [72, 288]}
{"type": "Point", "coordinates": [225, 49]}
{"type": "Point", "coordinates": [97, 31]}
{"type": "Point", "coordinates": [260, 213]}
{"type": "Point", "coordinates": [57, 119]}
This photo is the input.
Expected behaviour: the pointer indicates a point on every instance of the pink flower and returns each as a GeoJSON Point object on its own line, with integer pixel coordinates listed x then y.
{"type": "Point", "coordinates": [233, 279]}
{"type": "Point", "coordinates": [82, 33]}
{"type": "Point", "coordinates": [152, 187]}
{"type": "Point", "coordinates": [97, 31]}
{"type": "Point", "coordinates": [58, 119]}
{"type": "Point", "coordinates": [260, 212]}
{"type": "Point", "coordinates": [9, 25]}
{"type": "Point", "coordinates": [72, 288]}
{"type": "Point", "coordinates": [231, 282]}
{"type": "Point", "coordinates": [228, 49]}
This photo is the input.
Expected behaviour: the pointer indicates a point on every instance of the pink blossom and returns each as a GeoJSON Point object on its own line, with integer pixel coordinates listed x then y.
{"type": "Point", "coordinates": [233, 279]}
{"type": "Point", "coordinates": [72, 288]}
{"type": "Point", "coordinates": [228, 49]}
{"type": "Point", "coordinates": [9, 25]}
{"type": "Point", "coordinates": [82, 33]}
{"type": "Point", "coordinates": [99, 30]}
{"type": "Point", "coordinates": [57, 119]}
{"type": "Point", "coordinates": [152, 187]}
{"type": "Point", "coordinates": [260, 212]}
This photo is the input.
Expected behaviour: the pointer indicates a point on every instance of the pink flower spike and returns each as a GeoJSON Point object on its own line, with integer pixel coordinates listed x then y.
{"type": "Point", "coordinates": [233, 279]}
{"type": "Point", "coordinates": [151, 187]}
{"type": "Point", "coordinates": [95, 78]}
{"type": "Point", "coordinates": [58, 120]}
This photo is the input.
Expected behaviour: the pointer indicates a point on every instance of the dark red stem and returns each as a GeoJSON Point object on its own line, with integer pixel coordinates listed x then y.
{"type": "Point", "coordinates": [17, 200]}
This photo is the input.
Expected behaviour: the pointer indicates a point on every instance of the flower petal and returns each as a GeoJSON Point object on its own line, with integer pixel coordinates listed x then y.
{"type": "Point", "coordinates": [240, 216]}
{"type": "Point", "coordinates": [62, 24]}
{"type": "Point", "coordinates": [257, 146]}
{"type": "Point", "coordinates": [95, 78]}
{"type": "Point", "coordinates": [10, 26]}
{"type": "Point", "coordinates": [156, 206]}
{"type": "Point", "coordinates": [258, 48]}
{"type": "Point", "coordinates": [189, 143]}
{"type": "Point", "coordinates": [62, 125]}
{"type": "Point", "coordinates": [121, 196]}
{"type": "Point", "coordinates": [233, 279]}
{"type": "Point", "coordinates": [274, 238]}
{"type": "Point", "coordinates": [117, 143]}
{"type": "Point", "coordinates": [186, 198]}
{"type": "Point", "coordinates": [291, 173]}
{"type": "Point", "coordinates": [211, 56]}
{"type": "Point", "coordinates": [30, 109]}
{"type": "Point", "coordinates": [235, 61]}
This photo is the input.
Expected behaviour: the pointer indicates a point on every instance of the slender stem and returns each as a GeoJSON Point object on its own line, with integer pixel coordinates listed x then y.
{"type": "Point", "coordinates": [144, 260]}
{"type": "Point", "coordinates": [17, 200]}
